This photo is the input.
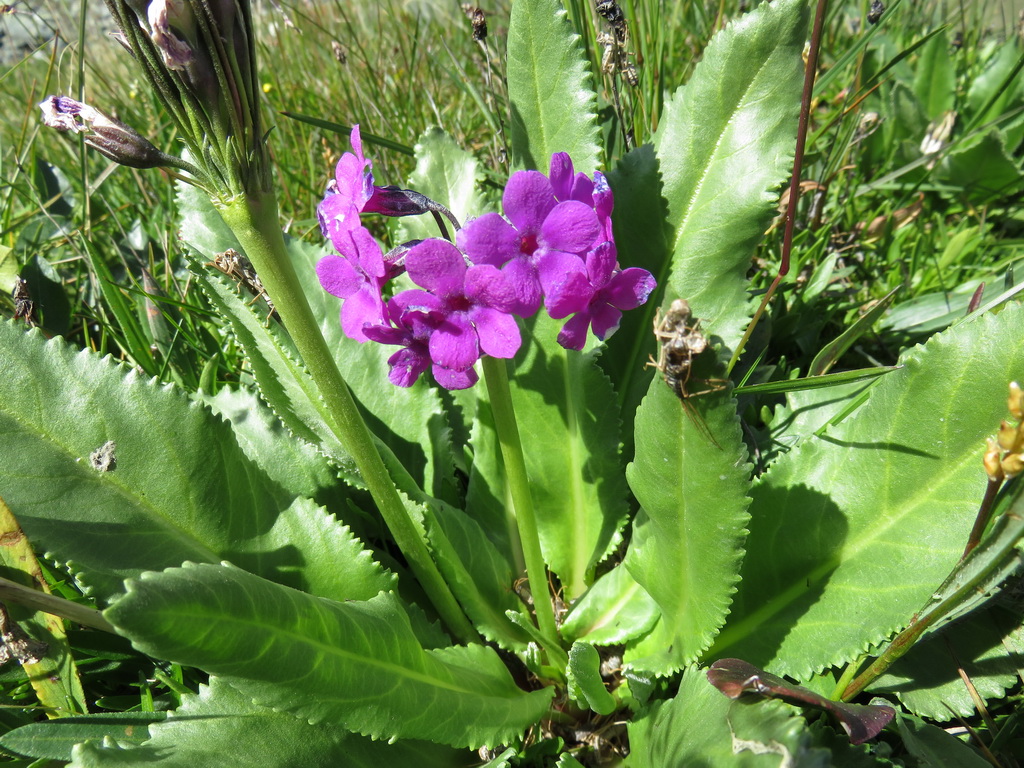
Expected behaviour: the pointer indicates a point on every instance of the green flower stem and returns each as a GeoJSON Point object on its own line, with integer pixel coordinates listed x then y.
{"type": "Point", "coordinates": [505, 424]}
{"type": "Point", "coordinates": [254, 220]}
{"type": "Point", "coordinates": [13, 592]}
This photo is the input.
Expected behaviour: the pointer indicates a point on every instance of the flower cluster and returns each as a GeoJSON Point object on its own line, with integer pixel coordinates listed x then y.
{"type": "Point", "coordinates": [552, 248]}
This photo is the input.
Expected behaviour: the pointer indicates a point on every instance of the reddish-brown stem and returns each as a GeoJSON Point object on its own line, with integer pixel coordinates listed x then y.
{"type": "Point", "coordinates": [984, 515]}
{"type": "Point", "coordinates": [794, 184]}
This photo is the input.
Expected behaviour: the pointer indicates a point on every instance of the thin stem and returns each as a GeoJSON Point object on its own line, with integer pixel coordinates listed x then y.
{"type": "Point", "coordinates": [794, 184]}
{"type": "Point", "coordinates": [253, 219]}
{"type": "Point", "coordinates": [496, 376]}
{"type": "Point", "coordinates": [984, 515]}
{"type": "Point", "coordinates": [12, 592]}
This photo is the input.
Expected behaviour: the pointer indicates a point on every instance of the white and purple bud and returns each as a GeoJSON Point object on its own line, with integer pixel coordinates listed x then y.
{"type": "Point", "coordinates": [168, 19]}
{"type": "Point", "coordinates": [109, 136]}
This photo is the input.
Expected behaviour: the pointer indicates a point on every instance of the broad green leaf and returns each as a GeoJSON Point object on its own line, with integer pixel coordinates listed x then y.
{"type": "Point", "coordinates": [688, 537]}
{"type": "Point", "coordinates": [354, 664]}
{"type": "Point", "coordinates": [571, 444]}
{"type": "Point", "coordinates": [479, 575]}
{"type": "Point", "coordinates": [992, 92]}
{"type": "Point", "coordinates": [614, 610]}
{"type": "Point", "coordinates": [932, 747]}
{"type": "Point", "coordinates": [701, 727]}
{"type": "Point", "coordinates": [725, 145]}
{"type": "Point", "coordinates": [983, 169]}
{"type": "Point", "coordinates": [211, 727]}
{"type": "Point", "coordinates": [181, 488]}
{"type": "Point", "coordinates": [55, 739]}
{"type": "Point", "coordinates": [935, 78]}
{"type": "Point", "coordinates": [550, 89]}
{"type": "Point", "coordinates": [447, 174]}
{"type": "Point", "coordinates": [292, 463]}
{"type": "Point", "coordinates": [852, 531]}
{"type": "Point", "coordinates": [583, 677]}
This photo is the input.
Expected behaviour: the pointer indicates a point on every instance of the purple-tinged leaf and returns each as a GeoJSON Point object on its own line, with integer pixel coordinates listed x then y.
{"type": "Point", "coordinates": [735, 677]}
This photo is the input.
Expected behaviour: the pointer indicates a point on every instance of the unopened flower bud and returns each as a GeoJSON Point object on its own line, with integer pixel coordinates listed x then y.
{"type": "Point", "coordinates": [1015, 402]}
{"type": "Point", "coordinates": [1013, 464]}
{"type": "Point", "coordinates": [162, 16]}
{"type": "Point", "coordinates": [991, 461]}
{"type": "Point", "coordinates": [394, 201]}
{"type": "Point", "coordinates": [1009, 437]}
{"type": "Point", "coordinates": [111, 137]}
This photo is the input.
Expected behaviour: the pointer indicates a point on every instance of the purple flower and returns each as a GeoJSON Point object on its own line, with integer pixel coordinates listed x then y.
{"type": "Point", "coordinates": [356, 276]}
{"type": "Point", "coordinates": [598, 299]}
{"type": "Point", "coordinates": [347, 193]}
{"type": "Point", "coordinates": [541, 241]}
{"type": "Point", "coordinates": [411, 327]}
{"type": "Point", "coordinates": [352, 192]}
{"type": "Point", "coordinates": [469, 306]}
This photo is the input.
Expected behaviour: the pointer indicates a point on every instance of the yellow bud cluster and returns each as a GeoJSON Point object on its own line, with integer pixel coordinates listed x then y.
{"type": "Point", "coordinates": [1004, 457]}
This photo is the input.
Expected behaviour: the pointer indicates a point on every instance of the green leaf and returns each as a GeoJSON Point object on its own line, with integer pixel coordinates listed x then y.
{"type": "Point", "coordinates": [935, 79]}
{"type": "Point", "coordinates": [702, 727]}
{"type": "Point", "coordinates": [688, 537]}
{"type": "Point", "coordinates": [293, 464]}
{"type": "Point", "coordinates": [479, 575]}
{"type": "Point", "coordinates": [447, 174]}
{"type": "Point", "coordinates": [209, 727]}
{"type": "Point", "coordinates": [181, 488]}
{"type": "Point", "coordinates": [614, 610]}
{"type": "Point", "coordinates": [983, 169]}
{"type": "Point", "coordinates": [583, 676]}
{"type": "Point", "coordinates": [725, 144]}
{"type": "Point", "coordinates": [550, 89]}
{"type": "Point", "coordinates": [55, 739]}
{"type": "Point", "coordinates": [932, 747]}
{"type": "Point", "coordinates": [354, 664]}
{"type": "Point", "coordinates": [571, 444]}
{"type": "Point", "coordinates": [879, 505]}
{"type": "Point", "coordinates": [8, 268]}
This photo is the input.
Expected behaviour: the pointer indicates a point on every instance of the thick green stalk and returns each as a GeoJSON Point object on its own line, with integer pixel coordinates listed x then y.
{"type": "Point", "coordinates": [253, 219]}
{"type": "Point", "coordinates": [519, 486]}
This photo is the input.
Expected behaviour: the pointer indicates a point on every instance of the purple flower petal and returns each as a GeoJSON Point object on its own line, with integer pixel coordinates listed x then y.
{"type": "Point", "coordinates": [604, 319]}
{"type": "Point", "coordinates": [497, 331]}
{"type": "Point", "coordinates": [364, 307]}
{"type": "Point", "coordinates": [583, 189]}
{"type": "Point", "coordinates": [407, 364]}
{"type": "Point", "coordinates": [570, 295]}
{"type": "Point", "coordinates": [338, 277]}
{"type": "Point", "coordinates": [570, 226]}
{"type": "Point", "coordinates": [527, 200]}
{"type": "Point", "coordinates": [629, 288]}
{"type": "Point", "coordinates": [522, 276]}
{"type": "Point", "coordinates": [561, 174]}
{"type": "Point", "coordinates": [574, 333]}
{"type": "Point", "coordinates": [488, 239]}
{"type": "Point", "coordinates": [450, 378]}
{"type": "Point", "coordinates": [438, 266]}
{"type": "Point", "coordinates": [490, 287]}
{"type": "Point", "coordinates": [454, 344]}
{"type": "Point", "coordinates": [601, 264]}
